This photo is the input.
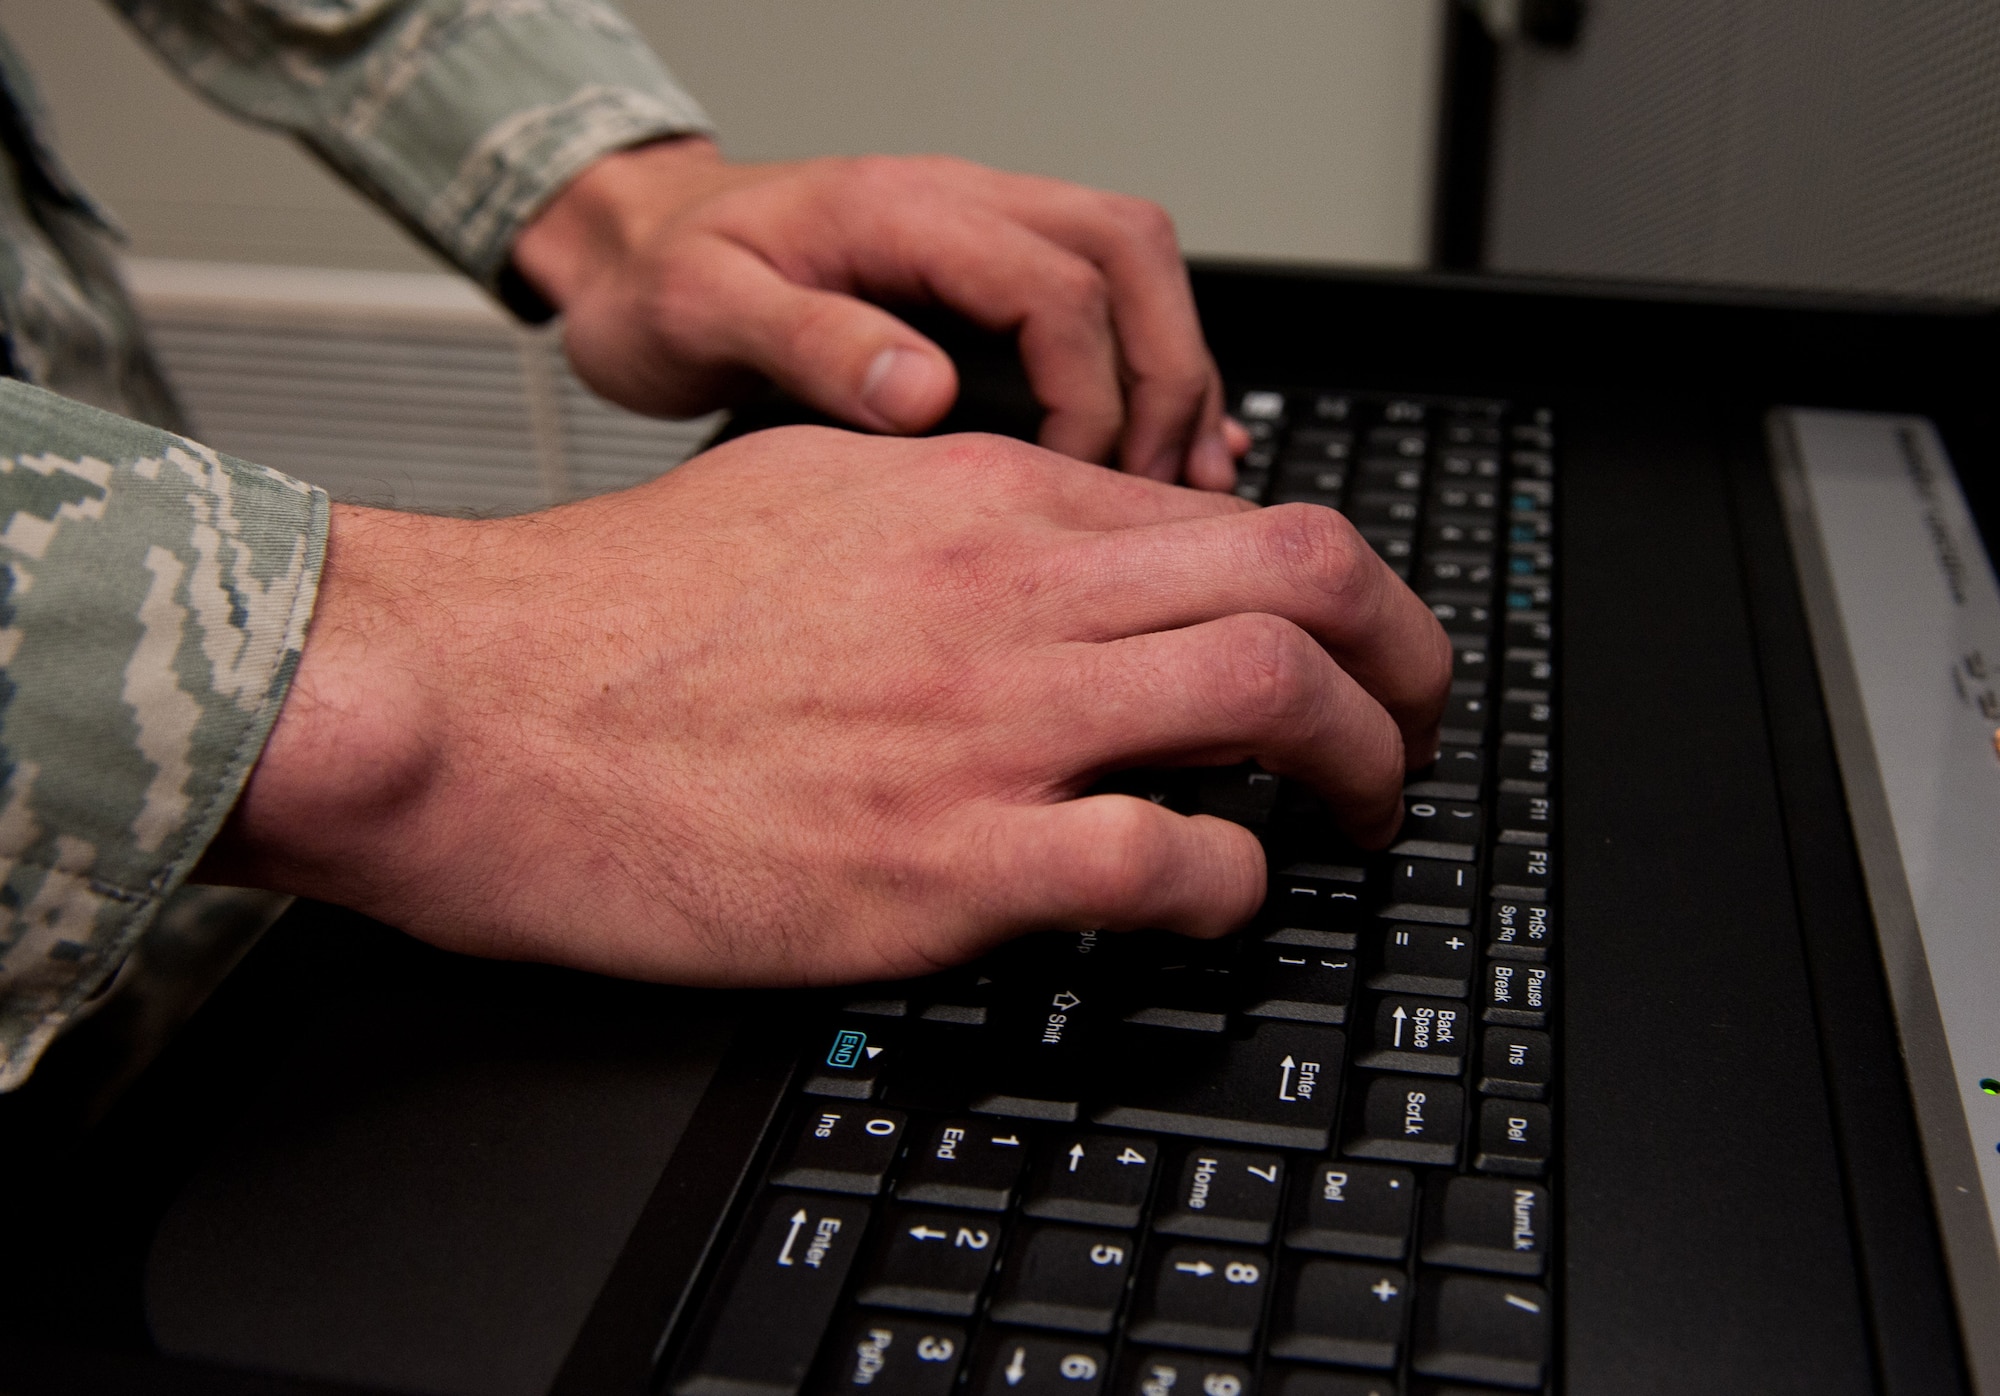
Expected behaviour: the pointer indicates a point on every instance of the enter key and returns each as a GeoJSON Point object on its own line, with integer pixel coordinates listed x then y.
{"type": "Point", "coordinates": [1276, 1087]}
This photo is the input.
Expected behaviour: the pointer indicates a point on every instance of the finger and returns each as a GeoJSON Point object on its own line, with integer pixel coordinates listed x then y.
{"type": "Point", "coordinates": [1242, 687]}
{"type": "Point", "coordinates": [1303, 562]}
{"type": "Point", "coordinates": [996, 271]}
{"type": "Point", "coordinates": [1120, 863]}
{"type": "Point", "coordinates": [842, 355]}
{"type": "Point", "coordinates": [1211, 464]}
{"type": "Point", "coordinates": [1174, 416]}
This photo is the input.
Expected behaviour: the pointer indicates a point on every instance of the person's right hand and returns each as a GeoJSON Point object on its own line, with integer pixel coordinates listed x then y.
{"type": "Point", "coordinates": [817, 707]}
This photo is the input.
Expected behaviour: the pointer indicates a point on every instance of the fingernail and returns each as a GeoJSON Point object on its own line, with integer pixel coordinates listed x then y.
{"type": "Point", "coordinates": [904, 388]}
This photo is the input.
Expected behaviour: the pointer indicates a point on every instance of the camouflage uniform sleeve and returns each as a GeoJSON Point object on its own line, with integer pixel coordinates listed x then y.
{"type": "Point", "coordinates": [461, 117]}
{"type": "Point", "coordinates": [153, 604]}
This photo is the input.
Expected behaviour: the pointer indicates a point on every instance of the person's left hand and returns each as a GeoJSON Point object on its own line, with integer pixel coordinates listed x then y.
{"type": "Point", "coordinates": [681, 277]}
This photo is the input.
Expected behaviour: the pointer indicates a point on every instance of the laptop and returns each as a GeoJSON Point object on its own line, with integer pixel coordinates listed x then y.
{"type": "Point", "coordinates": [1658, 1055]}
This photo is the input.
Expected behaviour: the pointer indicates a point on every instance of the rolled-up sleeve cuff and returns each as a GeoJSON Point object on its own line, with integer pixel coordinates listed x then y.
{"type": "Point", "coordinates": [478, 115]}
{"type": "Point", "coordinates": [154, 598]}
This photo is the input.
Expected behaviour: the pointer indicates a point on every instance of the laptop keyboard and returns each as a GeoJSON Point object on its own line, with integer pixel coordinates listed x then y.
{"type": "Point", "coordinates": [1312, 1159]}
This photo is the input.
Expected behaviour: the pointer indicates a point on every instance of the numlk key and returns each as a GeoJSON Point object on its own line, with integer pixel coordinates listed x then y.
{"type": "Point", "coordinates": [840, 1148]}
{"type": "Point", "coordinates": [879, 1354]}
{"type": "Point", "coordinates": [1492, 1224]}
{"type": "Point", "coordinates": [1277, 1087]}
{"type": "Point", "coordinates": [792, 1262]}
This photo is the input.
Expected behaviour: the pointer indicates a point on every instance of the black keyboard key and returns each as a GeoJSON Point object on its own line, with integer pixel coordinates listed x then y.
{"type": "Point", "coordinates": [1049, 1005]}
{"type": "Point", "coordinates": [1316, 445]}
{"type": "Point", "coordinates": [1433, 960]}
{"type": "Point", "coordinates": [1530, 630]}
{"type": "Point", "coordinates": [1520, 871]}
{"type": "Point", "coordinates": [1408, 442]}
{"type": "Point", "coordinates": [893, 1355]}
{"type": "Point", "coordinates": [1470, 1328]}
{"type": "Point", "coordinates": [1409, 1119]}
{"type": "Point", "coordinates": [1390, 474]}
{"type": "Point", "coordinates": [1530, 668]}
{"type": "Point", "coordinates": [1300, 983]}
{"type": "Point", "coordinates": [879, 1001]}
{"type": "Point", "coordinates": [1524, 817]}
{"type": "Point", "coordinates": [1277, 1087]}
{"type": "Point", "coordinates": [1466, 716]}
{"type": "Point", "coordinates": [1488, 1224]}
{"type": "Point", "coordinates": [1516, 994]}
{"type": "Point", "coordinates": [1456, 775]}
{"type": "Point", "coordinates": [1460, 613]}
{"type": "Point", "coordinates": [1520, 930]}
{"type": "Point", "coordinates": [1097, 1179]}
{"type": "Point", "coordinates": [1456, 567]}
{"type": "Point", "coordinates": [1313, 937]}
{"type": "Point", "coordinates": [1200, 1296]}
{"type": "Point", "coordinates": [1064, 1277]}
{"type": "Point", "coordinates": [1432, 891]}
{"type": "Point", "coordinates": [793, 1261]}
{"type": "Point", "coordinates": [1223, 1195]}
{"type": "Point", "coordinates": [965, 1163]}
{"type": "Point", "coordinates": [1394, 544]}
{"type": "Point", "coordinates": [1352, 1209]}
{"type": "Point", "coordinates": [1431, 1036]}
{"type": "Point", "coordinates": [1526, 765]}
{"type": "Point", "coordinates": [1526, 717]}
{"type": "Point", "coordinates": [1185, 984]}
{"type": "Point", "coordinates": [1447, 829]}
{"type": "Point", "coordinates": [1241, 794]}
{"type": "Point", "coordinates": [1159, 1373]}
{"type": "Point", "coordinates": [1341, 1311]}
{"type": "Point", "coordinates": [1465, 496]}
{"type": "Point", "coordinates": [932, 1262]}
{"type": "Point", "coordinates": [1383, 508]}
{"type": "Point", "coordinates": [1515, 1138]}
{"type": "Point", "coordinates": [1516, 1063]}
{"type": "Point", "coordinates": [1030, 1364]}
{"type": "Point", "coordinates": [841, 1148]}
{"type": "Point", "coordinates": [1315, 893]}
{"type": "Point", "coordinates": [1317, 1381]}
{"type": "Point", "coordinates": [1471, 662]}
{"type": "Point", "coordinates": [1473, 533]}
{"type": "Point", "coordinates": [851, 1066]}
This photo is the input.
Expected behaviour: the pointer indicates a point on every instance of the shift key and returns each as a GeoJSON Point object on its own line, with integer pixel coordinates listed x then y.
{"type": "Point", "coordinates": [779, 1296]}
{"type": "Point", "coordinates": [1276, 1087]}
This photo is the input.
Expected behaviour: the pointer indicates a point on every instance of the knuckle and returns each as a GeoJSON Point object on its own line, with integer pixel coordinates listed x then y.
{"type": "Point", "coordinates": [1316, 548]}
{"type": "Point", "coordinates": [1267, 671]}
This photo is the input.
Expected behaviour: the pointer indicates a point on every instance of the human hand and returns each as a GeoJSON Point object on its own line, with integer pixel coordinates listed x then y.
{"type": "Point", "coordinates": [680, 277]}
{"type": "Point", "coordinates": [818, 707]}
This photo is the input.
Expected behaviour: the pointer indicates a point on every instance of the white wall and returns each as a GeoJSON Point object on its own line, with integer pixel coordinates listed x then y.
{"type": "Point", "coordinates": [1271, 128]}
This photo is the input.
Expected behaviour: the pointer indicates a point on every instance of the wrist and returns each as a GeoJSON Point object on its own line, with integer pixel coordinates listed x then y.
{"type": "Point", "coordinates": [358, 748]}
{"type": "Point", "coordinates": [614, 206]}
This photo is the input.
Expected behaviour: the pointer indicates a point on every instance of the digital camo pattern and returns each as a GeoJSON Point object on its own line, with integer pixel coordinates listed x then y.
{"type": "Point", "coordinates": [461, 117]}
{"type": "Point", "coordinates": [153, 604]}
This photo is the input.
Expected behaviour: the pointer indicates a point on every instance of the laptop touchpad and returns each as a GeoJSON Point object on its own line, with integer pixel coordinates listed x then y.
{"type": "Point", "coordinates": [430, 1197]}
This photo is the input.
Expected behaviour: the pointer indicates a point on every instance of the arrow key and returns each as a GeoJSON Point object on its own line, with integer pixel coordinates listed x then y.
{"type": "Point", "coordinates": [1098, 1179]}
{"type": "Point", "coordinates": [932, 1262]}
{"type": "Point", "coordinates": [1203, 1297]}
{"type": "Point", "coordinates": [1029, 1364]}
